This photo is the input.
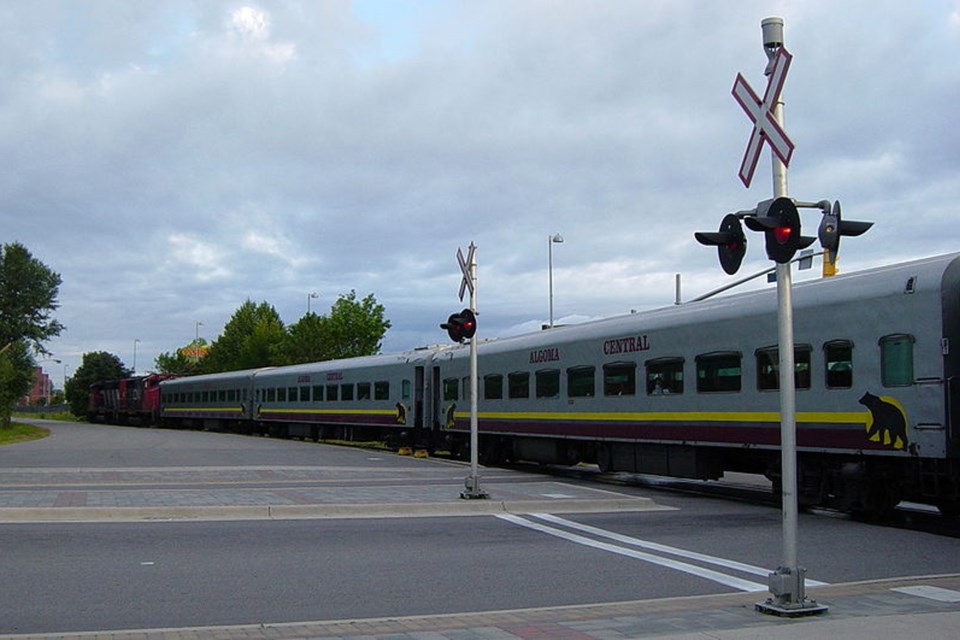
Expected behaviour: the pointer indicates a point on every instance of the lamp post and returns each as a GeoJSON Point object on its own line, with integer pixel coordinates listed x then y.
{"type": "Point", "coordinates": [135, 342]}
{"type": "Point", "coordinates": [551, 240]}
{"type": "Point", "coordinates": [312, 295]}
{"type": "Point", "coordinates": [196, 342]}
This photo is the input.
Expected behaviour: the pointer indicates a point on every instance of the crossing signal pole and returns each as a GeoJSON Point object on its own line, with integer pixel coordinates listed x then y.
{"type": "Point", "coordinates": [463, 326]}
{"type": "Point", "coordinates": [779, 220]}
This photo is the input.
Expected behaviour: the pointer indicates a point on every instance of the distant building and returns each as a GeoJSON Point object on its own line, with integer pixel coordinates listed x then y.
{"type": "Point", "coordinates": [41, 391]}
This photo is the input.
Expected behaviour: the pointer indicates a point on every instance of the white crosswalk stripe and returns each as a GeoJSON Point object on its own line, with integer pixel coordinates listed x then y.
{"type": "Point", "coordinates": [654, 558]}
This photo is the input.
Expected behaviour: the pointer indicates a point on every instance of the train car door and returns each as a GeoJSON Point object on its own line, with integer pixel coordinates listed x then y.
{"type": "Point", "coordinates": [435, 400]}
{"type": "Point", "coordinates": [418, 398]}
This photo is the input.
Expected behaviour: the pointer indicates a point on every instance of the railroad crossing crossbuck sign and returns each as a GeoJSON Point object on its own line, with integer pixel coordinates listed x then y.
{"type": "Point", "coordinates": [765, 125]}
{"type": "Point", "coordinates": [467, 282]}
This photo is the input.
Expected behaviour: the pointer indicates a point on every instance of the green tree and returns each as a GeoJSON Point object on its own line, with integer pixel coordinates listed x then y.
{"type": "Point", "coordinates": [28, 297]}
{"type": "Point", "coordinates": [353, 328]}
{"type": "Point", "coordinates": [304, 340]}
{"type": "Point", "coordinates": [182, 363]}
{"type": "Point", "coordinates": [252, 338]}
{"type": "Point", "coordinates": [97, 366]}
{"type": "Point", "coordinates": [16, 377]}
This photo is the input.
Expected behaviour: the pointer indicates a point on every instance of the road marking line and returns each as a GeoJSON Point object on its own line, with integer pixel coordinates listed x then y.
{"type": "Point", "coordinates": [709, 574]}
{"type": "Point", "coordinates": [662, 548]}
{"type": "Point", "coordinates": [933, 593]}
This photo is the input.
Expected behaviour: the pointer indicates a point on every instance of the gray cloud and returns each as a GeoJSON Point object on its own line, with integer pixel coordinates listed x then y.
{"type": "Point", "coordinates": [173, 160]}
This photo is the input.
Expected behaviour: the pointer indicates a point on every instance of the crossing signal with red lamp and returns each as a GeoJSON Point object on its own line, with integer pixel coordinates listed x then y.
{"type": "Point", "coordinates": [730, 242]}
{"type": "Point", "coordinates": [832, 226]}
{"type": "Point", "coordinates": [461, 326]}
{"type": "Point", "coordinates": [779, 220]}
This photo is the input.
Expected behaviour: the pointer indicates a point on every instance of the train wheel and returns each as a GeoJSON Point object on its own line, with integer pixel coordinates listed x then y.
{"type": "Point", "coordinates": [949, 507]}
{"type": "Point", "coordinates": [605, 458]}
{"type": "Point", "coordinates": [878, 502]}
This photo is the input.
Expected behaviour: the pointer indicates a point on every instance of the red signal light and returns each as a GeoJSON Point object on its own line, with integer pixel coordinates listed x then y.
{"type": "Point", "coordinates": [782, 234]}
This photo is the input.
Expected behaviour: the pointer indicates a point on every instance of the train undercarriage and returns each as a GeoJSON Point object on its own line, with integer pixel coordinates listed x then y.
{"type": "Point", "coordinates": [867, 486]}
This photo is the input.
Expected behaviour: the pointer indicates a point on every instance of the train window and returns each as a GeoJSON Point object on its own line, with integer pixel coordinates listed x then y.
{"type": "Point", "coordinates": [405, 389]}
{"type": "Point", "coordinates": [222, 395]}
{"type": "Point", "coordinates": [205, 397]}
{"type": "Point", "coordinates": [381, 390]}
{"type": "Point", "coordinates": [318, 393]}
{"type": "Point", "coordinates": [518, 384]}
{"type": "Point", "coordinates": [271, 395]}
{"type": "Point", "coordinates": [620, 379]}
{"type": "Point", "coordinates": [896, 360]}
{"type": "Point", "coordinates": [664, 376]}
{"type": "Point", "coordinates": [493, 387]}
{"type": "Point", "coordinates": [304, 394]}
{"type": "Point", "coordinates": [838, 364]}
{"type": "Point", "coordinates": [465, 387]}
{"type": "Point", "coordinates": [548, 383]}
{"type": "Point", "coordinates": [231, 395]}
{"type": "Point", "coordinates": [346, 392]}
{"type": "Point", "coordinates": [718, 372]}
{"type": "Point", "coordinates": [332, 392]}
{"type": "Point", "coordinates": [768, 368]}
{"type": "Point", "coordinates": [293, 394]}
{"type": "Point", "coordinates": [281, 394]}
{"type": "Point", "coordinates": [363, 391]}
{"type": "Point", "coordinates": [581, 382]}
{"type": "Point", "coordinates": [451, 389]}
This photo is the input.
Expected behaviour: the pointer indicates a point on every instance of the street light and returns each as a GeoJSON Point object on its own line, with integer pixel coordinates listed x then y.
{"type": "Point", "coordinates": [196, 342]}
{"type": "Point", "coordinates": [135, 341]}
{"type": "Point", "coordinates": [312, 295]}
{"type": "Point", "coordinates": [551, 240]}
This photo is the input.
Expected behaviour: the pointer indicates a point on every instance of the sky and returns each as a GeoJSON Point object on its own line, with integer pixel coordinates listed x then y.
{"type": "Point", "coordinates": [172, 159]}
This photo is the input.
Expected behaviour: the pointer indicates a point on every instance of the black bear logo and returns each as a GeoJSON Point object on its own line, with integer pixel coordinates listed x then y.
{"type": "Point", "coordinates": [888, 421]}
{"type": "Point", "coordinates": [449, 419]}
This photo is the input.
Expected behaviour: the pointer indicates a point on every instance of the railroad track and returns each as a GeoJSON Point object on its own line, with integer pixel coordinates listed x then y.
{"type": "Point", "coordinates": [750, 489]}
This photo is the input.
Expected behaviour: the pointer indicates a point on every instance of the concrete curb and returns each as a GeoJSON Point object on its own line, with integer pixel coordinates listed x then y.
{"type": "Point", "coordinates": [298, 511]}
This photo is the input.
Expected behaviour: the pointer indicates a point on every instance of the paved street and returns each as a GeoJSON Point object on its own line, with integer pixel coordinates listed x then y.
{"type": "Point", "coordinates": [120, 530]}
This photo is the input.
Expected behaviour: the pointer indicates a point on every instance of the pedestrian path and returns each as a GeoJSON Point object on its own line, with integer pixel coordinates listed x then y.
{"type": "Point", "coordinates": [217, 493]}
{"type": "Point", "coordinates": [927, 608]}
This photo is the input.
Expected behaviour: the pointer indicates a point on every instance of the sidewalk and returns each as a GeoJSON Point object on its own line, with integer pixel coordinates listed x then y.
{"type": "Point", "coordinates": [242, 493]}
{"type": "Point", "coordinates": [878, 610]}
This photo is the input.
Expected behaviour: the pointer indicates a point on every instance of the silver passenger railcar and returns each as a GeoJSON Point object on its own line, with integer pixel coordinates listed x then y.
{"type": "Point", "coordinates": [693, 390]}
{"type": "Point", "coordinates": [688, 391]}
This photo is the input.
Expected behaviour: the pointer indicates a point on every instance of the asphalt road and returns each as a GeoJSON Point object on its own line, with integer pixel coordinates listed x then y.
{"type": "Point", "coordinates": [162, 574]}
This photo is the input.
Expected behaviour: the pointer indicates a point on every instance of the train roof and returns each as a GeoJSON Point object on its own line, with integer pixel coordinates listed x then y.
{"type": "Point", "coordinates": [923, 275]}
{"type": "Point", "coordinates": [926, 275]}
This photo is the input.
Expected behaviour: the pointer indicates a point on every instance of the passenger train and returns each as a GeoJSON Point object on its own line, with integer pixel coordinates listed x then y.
{"type": "Point", "coordinates": [687, 391]}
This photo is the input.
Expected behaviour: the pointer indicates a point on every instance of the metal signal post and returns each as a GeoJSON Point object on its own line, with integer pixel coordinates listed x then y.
{"type": "Point", "coordinates": [468, 266]}
{"type": "Point", "coordinates": [779, 221]}
{"type": "Point", "coordinates": [787, 582]}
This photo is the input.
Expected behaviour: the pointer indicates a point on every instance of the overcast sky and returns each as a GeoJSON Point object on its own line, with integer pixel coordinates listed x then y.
{"type": "Point", "coordinates": [172, 159]}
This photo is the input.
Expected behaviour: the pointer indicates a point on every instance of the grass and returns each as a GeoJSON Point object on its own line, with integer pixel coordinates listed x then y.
{"type": "Point", "coordinates": [19, 432]}
{"type": "Point", "coordinates": [64, 416]}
